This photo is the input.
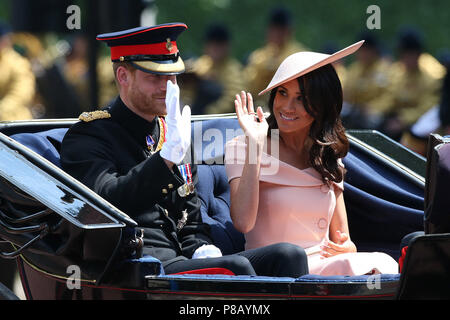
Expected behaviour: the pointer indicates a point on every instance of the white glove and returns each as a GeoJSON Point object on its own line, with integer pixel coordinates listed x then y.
{"type": "Point", "coordinates": [207, 251]}
{"type": "Point", "coordinates": [178, 137]}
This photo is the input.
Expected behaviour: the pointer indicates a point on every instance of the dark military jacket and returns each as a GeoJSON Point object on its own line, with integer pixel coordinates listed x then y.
{"type": "Point", "coordinates": [111, 157]}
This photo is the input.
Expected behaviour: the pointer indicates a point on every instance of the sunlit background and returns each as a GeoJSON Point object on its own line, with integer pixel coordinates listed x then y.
{"type": "Point", "coordinates": [48, 69]}
{"type": "Point", "coordinates": [317, 24]}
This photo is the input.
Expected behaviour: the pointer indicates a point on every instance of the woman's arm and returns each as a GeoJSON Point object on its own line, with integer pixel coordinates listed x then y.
{"type": "Point", "coordinates": [339, 220]}
{"type": "Point", "coordinates": [339, 235]}
{"type": "Point", "coordinates": [244, 197]}
{"type": "Point", "coordinates": [244, 191]}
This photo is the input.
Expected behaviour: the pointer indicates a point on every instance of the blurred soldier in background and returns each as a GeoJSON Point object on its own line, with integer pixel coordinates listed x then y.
{"type": "Point", "coordinates": [413, 90]}
{"type": "Point", "coordinates": [76, 72]}
{"type": "Point", "coordinates": [263, 62]}
{"type": "Point", "coordinates": [17, 82]}
{"type": "Point", "coordinates": [435, 120]}
{"type": "Point", "coordinates": [75, 68]}
{"type": "Point", "coordinates": [106, 81]}
{"type": "Point", "coordinates": [55, 96]}
{"type": "Point", "coordinates": [31, 47]}
{"type": "Point", "coordinates": [367, 79]}
{"type": "Point", "coordinates": [216, 76]}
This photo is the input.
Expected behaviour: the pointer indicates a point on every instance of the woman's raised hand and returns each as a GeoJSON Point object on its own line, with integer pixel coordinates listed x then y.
{"type": "Point", "coordinates": [253, 123]}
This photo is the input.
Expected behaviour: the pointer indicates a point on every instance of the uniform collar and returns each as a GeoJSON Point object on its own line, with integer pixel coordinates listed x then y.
{"type": "Point", "coordinates": [138, 127]}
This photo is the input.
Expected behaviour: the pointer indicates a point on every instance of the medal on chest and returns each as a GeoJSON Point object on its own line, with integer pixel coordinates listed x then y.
{"type": "Point", "coordinates": [188, 187]}
{"type": "Point", "coordinates": [150, 143]}
{"type": "Point", "coordinates": [162, 137]}
{"type": "Point", "coordinates": [182, 222]}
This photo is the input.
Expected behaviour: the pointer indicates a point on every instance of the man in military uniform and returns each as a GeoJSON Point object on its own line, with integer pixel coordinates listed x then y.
{"type": "Point", "coordinates": [218, 75]}
{"type": "Point", "coordinates": [367, 80]}
{"type": "Point", "coordinates": [435, 120]}
{"type": "Point", "coordinates": [412, 90]}
{"type": "Point", "coordinates": [133, 157]}
{"type": "Point", "coordinates": [263, 62]}
{"type": "Point", "coordinates": [17, 81]}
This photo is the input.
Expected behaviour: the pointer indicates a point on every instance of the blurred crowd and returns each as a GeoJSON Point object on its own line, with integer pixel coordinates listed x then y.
{"type": "Point", "coordinates": [46, 76]}
{"type": "Point", "coordinates": [403, 94]}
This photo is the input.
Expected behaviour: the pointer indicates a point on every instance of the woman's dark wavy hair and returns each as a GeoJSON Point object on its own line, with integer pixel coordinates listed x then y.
{"type": "Point", "coordinates": [321, 93]}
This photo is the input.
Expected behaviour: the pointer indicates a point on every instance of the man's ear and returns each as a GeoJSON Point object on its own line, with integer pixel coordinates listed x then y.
{"type": "Point", "coordinates": [123, 76]}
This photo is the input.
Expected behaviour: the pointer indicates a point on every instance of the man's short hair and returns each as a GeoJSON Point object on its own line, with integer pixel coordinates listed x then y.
{"type": "Point", "coordinates": [124, 64]}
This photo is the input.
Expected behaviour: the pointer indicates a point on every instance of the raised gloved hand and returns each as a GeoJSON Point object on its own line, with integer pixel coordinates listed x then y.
{"type": "Point", "coordinates": [178, 137]}
{"type": "Point", "coordinates": [207, 251]}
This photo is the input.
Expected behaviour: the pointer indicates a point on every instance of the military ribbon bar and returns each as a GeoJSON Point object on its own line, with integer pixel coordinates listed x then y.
{"type": "Point", "coordinates": [185, 170]}
{"type": "Point", "coordinates": [188, 187]}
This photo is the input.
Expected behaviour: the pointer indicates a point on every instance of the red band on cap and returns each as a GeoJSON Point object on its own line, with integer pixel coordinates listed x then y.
{"type": "Point", "coordinates": [144, 49]}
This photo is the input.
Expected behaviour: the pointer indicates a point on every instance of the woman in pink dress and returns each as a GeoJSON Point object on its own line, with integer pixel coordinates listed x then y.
{"type": "Point", "coordinates": [286, 174]}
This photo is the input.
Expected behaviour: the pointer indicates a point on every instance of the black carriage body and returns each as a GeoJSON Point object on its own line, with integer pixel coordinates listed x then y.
{"type": "Point", "coordinates": [384, 190]}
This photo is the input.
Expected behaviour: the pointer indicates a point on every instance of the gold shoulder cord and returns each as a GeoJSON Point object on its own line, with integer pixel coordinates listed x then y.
{"type": "Point", "coordinates": [162, 133]}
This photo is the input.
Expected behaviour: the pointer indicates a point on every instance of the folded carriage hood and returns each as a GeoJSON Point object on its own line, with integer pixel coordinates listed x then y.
{"type": "Point", "coordinates": [51, 186]}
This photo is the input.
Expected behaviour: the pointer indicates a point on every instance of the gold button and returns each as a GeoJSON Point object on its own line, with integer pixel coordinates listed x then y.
{"type": "Point", "coordinates": [170, 186]}
{"type": "Point", "coordinates": [164, 191]}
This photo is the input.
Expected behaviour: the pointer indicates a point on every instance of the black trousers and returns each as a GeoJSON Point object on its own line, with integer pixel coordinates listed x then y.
{"type": "Point", "coordinates": [277, 260]}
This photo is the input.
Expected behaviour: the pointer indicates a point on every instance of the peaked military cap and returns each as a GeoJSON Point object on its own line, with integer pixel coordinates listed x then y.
{"type": "Point", "coordinates": [150, 49]}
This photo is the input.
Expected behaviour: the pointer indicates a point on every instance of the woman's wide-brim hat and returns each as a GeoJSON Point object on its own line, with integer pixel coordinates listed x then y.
{"type": "Point", "coordinates": [300, 63]}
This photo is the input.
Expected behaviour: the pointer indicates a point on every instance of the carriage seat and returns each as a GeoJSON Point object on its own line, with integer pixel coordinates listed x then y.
{"type": "Point", "coordinates": [374, 194]}
{"type": "Point", "coordinates": [45, 143]}
{"type": "Point", "coordinates": [215, 204]}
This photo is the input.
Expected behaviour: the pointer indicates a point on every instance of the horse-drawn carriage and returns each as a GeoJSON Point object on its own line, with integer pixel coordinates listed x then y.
{"type": "Point", "coordinates": [69, 243]}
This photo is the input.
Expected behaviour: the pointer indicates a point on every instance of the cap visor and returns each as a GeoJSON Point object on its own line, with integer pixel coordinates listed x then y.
{"type": "Point", "coordinates": [166, 68]}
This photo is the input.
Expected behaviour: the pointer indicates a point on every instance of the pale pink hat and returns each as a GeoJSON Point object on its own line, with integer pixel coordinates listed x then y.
{"type": "Point", "coordinates": [300, 63]}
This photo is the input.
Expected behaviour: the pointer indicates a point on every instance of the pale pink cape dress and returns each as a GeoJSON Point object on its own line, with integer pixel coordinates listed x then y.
{"type": "Point", "coordinates": [295, 206]}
